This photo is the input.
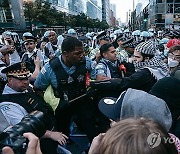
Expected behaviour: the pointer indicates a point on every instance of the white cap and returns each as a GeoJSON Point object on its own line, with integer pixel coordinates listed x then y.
{"type": "Point", "coordinates": [72, 32]}
{"type": "Point", "coordinates": [27, 34]}
{"type": "Point", "coordinates": [145, 34]}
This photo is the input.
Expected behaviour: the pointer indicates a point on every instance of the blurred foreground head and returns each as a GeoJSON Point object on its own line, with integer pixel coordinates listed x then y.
{"type": "Point", "coordinates": [136, 136]}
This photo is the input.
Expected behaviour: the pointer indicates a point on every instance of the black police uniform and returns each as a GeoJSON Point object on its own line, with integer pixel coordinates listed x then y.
{"type": "Point", "coordinates": [30, 101]}
{"type": "Point", "coordinates": [69, 88]}
{"type": "Point", "coordinates": [30, 60]}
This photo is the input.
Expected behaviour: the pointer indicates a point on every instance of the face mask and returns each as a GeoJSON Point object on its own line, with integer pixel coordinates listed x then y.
{"type": "Point", "coordinates": [172, 63]}
{"type": "Point", "coordinates": [166, 52]}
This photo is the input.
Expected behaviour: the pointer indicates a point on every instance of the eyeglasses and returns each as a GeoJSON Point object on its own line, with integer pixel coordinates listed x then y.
{"type": "Point", "coordinates": [175, 57]}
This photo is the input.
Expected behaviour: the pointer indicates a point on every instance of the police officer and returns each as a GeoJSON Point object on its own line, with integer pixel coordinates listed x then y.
{"type": "Point", "coordinates": [8, 56]}
{"type": "Point", "coordinates": [31, 52]}
{"type": "Point", "coordinates": [118, 43]}
{"type": "Point", "coordinates": [67, 75]}
{"type": "Point", "coordinates": [128, 50]}
{"type": "Point", "coordinates": [53, 47]}
{"type": "Point", "coordinates": [16, 102]}
{"type": "Point", "coordinates": [109, 66]}
{"type": "Point", "coordinates": [102, 38]}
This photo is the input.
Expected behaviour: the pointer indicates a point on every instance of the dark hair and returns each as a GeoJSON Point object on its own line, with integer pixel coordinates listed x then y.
{"type": "Point", "coordinates": [130, 136]}
{"type": "Point", "coordinates": [147, 55]}
{"type": "Point", "coordinates": [104, 48]}
{"type": "Point", "coordinates": [70, 43]}
{"type": "Point", "coordinates": [161, 47]}
{"type": "Point", "coordinates": [174, 48]}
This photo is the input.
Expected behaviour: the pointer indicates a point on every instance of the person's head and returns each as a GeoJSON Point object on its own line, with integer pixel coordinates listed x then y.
{"type": "Point", "coordinates": [136, 104]}
{"type": "Point", "coordinates": [137, 136]}
{"type": "Point", "coordinates": [18, 76]}
{"type": "Point", "coordinates": [168, 89]}
{"type": "Point", "coordinates": [29, 41]}
{"type": "Point", "coordinates": [7, 38]}
{"type": "Point", "coordinates": [120, 40]}
{"type": "Point", "coordinates": [161, 48]}
{"type": "Point", "coordinates": [129, 46]}
{"type": "Point", "coordinates": [30, 45]}
{"type": "Point", "coordinates": [72, 51]}
{"type": "Point", "coordinates": [145, 35]}
{"type": "Point", "coordinates": [172, 42]}
{"type": "Point", "coordinates": [103, 38]}
{"type": "Point", "coordinates": [144, 51]}
{"type": "Point", "coordinates": [174, 56]}
{"type": "Point", "coordinates": [52, 36]}
{"type": "Point", "coordinates": [71, 33]}
{"type": "Point", "coordinates": [108, 51]}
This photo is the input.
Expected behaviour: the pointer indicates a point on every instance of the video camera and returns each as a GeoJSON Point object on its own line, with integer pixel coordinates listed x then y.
{"type": "Point", "coordinates": [14, 138]}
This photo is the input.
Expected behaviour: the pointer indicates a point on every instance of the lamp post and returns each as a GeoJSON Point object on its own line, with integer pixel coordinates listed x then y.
{"type": "Point", "coordinates": [129, 21]}
{"type": "Point", "coordinates": [27, 4]}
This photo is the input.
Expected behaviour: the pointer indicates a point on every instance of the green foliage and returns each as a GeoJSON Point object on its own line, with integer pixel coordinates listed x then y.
{"type": "Point", "coordinates": [42, 11]}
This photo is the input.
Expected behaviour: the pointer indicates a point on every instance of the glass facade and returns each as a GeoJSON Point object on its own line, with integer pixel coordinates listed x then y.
{"type": "Point", "coordinates": [92, 8]}
{"type": "Point", "coordinates": [162, 10]}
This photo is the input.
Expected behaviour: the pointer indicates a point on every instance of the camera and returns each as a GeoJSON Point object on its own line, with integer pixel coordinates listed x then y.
{"type": "Point", "coordinates": [14, 138]}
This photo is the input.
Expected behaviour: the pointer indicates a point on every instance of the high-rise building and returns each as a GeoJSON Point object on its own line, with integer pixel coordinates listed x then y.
{"type": "Point", "coordinates": [165, 13]}
{"type": "Point", "coordinates": [106, 11]}
{"type": "Point", "coordinates": [92, 8]}
{"type": "Point", "coordinates": [138, 8]}
{"type": "Point", "coordinates": [127, 16]}
{"type": "Point", "coordinates": [113, 8]}
{"type": "Point", "coordinates": [14, 15]}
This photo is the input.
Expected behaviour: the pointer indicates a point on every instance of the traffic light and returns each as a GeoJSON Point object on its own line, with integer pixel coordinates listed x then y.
{"type": "Point", "coordinates": [145, 20]}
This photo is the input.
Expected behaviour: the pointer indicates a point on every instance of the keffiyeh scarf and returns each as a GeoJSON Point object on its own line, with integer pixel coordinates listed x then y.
{"type": "Point", "coordinates": [156, 66]}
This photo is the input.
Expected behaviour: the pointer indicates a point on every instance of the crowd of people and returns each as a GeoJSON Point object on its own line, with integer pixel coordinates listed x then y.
{"type": "Point", "coordinates": [117, 87]}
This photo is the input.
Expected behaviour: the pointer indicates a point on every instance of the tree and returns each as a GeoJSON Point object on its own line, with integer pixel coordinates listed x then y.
{"type": "Point", "coordinates": [4, 3]}
{"type": "Point", "coordinates": [42, 11]}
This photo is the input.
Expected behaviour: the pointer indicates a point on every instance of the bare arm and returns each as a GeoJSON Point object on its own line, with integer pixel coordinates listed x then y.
{"type": "Point", "coordinates": [101, 78]}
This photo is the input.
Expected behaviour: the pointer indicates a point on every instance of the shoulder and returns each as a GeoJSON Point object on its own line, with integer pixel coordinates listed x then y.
{"type": "Point", "coordinates": [144, 71]}
{"type": "Point", "coordinates": [12, 112]}
{"type": "Point", "coordinates": [11, 107]}
{"type": "Point", "coordinates": [24, 54]}
{"type": "Point", "coordinates": [143, 75]}
{"type": "Point", "coordinates": [101, 65]}
{"type": "Point", "coordinates": [47, 68]}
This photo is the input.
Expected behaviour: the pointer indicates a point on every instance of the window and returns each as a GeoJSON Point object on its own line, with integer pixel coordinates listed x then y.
{"type": "Point", "coordinates": [169, 1]}
{"type": "Point", "coordinates": [159, 1]}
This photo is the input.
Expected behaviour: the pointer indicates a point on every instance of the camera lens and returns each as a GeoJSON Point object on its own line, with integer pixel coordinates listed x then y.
{"type": "Point", "coordinates": [33, 123]}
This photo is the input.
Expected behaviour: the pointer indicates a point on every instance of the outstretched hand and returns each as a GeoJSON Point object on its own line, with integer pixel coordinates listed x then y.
{"type": "Point", "coordinates": [59, 137]}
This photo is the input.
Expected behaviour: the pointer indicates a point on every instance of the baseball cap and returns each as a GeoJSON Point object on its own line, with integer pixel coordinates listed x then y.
{"type": "Point", "coordinates": [136, 104]}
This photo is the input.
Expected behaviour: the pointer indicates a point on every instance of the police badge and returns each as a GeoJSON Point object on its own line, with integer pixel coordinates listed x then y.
{"type": "Point", "coordinates": [80, 78]}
